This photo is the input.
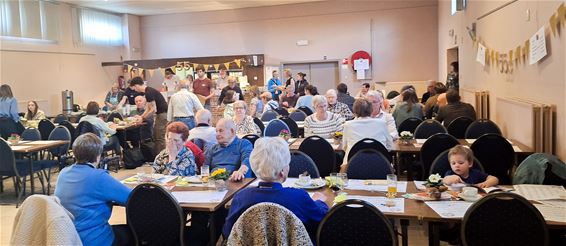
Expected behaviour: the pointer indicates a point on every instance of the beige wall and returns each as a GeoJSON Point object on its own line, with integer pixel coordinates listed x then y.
{"type": "Point", "coordinates": [40, 71]}
{"type": "Point", "coordinates": [404, 35]}
{"type": "Point", "coordinates": [505, 30]}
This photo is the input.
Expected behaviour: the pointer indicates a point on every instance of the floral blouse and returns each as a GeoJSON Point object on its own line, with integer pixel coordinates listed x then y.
{"type": "Point", "coordinates": [247, 126]}
{"type": "Point", "coordinates": [184, 165]}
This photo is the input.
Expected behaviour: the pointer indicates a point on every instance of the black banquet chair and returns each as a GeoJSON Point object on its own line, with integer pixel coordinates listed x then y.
{"type": "Point", "coordinates": [274, 127]}
{"type": "Point", "coordinates": [292, 126]}
{"type": "Point", "coordinates": [369, 164]}
{"type": "Point", "coordinates": [355, 222]}
{"type": "Point", "coordinates": [481, 127]}
{"type": "Point", "coordinates": [300, 163]}
{"type": "Point", "coordinates": [432, 147]}
{"type": "Point", "coordinates": [428, 128]}
{"type": "Point", "coordinates": [305, 110]}
{"type": "Point", "coordinates": [496, 155]}
{"type": "Point", "coordinates": [45, 127]}
{"type": "Point", "coordinates": [298, 115]}
{"type": "Point", "coordinates": [251, 137]}
{"type": "Point", "coordinates": [31, 134]}
{"type": "Point", "coordinates": [67, 124]}
{"type": "Point", "coordinates": [7, 128]}
{"type": "Point", "coordinates": [321, 152]}
{"type": "Point", "coordinates": [155, 217]}
{"type": "Point", "coordinates": [369, 143]}
{"type": "Point", "coordinates": [409, 125]}
{"type": "Point", "coordinates": [269, 115]}
{"type": "Point", "coordinates": [503, 218]}
{"type": "Point", "coordinates": [60, 118]}
{"type": "Point", "coordinates": [457, 128]}
{"type": "Point", "coordinates": [441, 164]}
{"type": "Point", "coordinates": [259, 123]}
{"type": "Point", "coordinates": [114, 115]}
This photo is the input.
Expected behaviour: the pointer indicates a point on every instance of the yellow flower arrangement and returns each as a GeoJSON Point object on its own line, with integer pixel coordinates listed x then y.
{"type": "Point", "coordinates": [338, 135]}
{"type": "Point", "coordinates": [220, 173]}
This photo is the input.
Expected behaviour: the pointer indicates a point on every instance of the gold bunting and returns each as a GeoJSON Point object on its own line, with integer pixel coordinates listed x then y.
{"type": "Point", "coordinates": [227, 65]}
{"type": "Point", "coordinates": [195, 66]}
{"type": "Point", "coordinates": [527, 50]}
{"type": "Point", "coordinates": [510, 58]}
{"type": "Point", "coordinates": [150, 72]}
{"type": "Point", "coordinates": [561, 14]}
{"type": "Point", "coordinates": [130, 68]}
{"type": "Point", "coordinates": [206, 66]}
{"type": "Point", "coordinates": [553, 23]}
{"type": "Point", "coordinates": [140, 71]}
{"type": "Point", "coordinates": [518, 53]}
{"type": "Point", "coordinates": [487, 56]}
{"type": "Point", "coordinates": [162, 71]}
{"type": "Point", "coordinates": [238, 62]}
{"type": "Point", "coordinates": [216, 66]}
{"type": "Point", "coordinates": [497, 58]}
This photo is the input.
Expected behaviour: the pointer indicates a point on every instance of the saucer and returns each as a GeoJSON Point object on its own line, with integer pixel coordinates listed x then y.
{"type": "Point", "coordinates": [470, 199]}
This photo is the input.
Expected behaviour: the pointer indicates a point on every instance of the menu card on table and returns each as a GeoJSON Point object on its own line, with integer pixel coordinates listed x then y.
{"type": "Point", "coordinates": [374, 185]}
{"type": "Point", "coordinates": [449, 209]}
{"type": "Point", "coordinates": [379, 203]}
{"type": "Point", "coordinates": [209, 196]}
{"type": "Point", "coordinates": [540, 192]}
{"type": "Point", "coordinates": [552, 213]}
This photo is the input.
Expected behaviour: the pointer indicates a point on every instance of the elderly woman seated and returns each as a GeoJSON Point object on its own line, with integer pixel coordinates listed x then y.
{"type": "Point", "coordinates": [244, 123]}
{"type": "Point", "coordinates": [322, 122]}
{"type": "Point", "coordinates": [270, 163]}
{"type": "Point", "coordinates": [176, 158]}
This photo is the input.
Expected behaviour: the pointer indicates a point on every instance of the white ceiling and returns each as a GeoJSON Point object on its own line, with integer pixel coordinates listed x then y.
{"type": "Point", "coordinates": [157, 7]}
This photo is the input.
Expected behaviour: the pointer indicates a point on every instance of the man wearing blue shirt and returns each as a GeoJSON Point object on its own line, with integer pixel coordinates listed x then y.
{"type": "Point", "coordinates": [274, 86]}
{"type": "Point", "coordinates": [230, 152]}
{"type": "Point", "coordinates": [88, 193]}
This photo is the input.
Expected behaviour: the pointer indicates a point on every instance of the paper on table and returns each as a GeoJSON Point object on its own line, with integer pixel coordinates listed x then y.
{"type": "Point", "coordinates": [40, 142]}
{"type": "Point", "coordinates": [379, 203]}
{"type": "Point", "coordinates": [540, 192]}
{"type": "Point", "coordinates": [421, 141]}
{"type": "Point", "coordinates": [450, 209]}
{"type": "Point", "coordinates": [211, 196]}
{"type": "Point", "coordinates": [358, 184]}
{"type": "Point", "coordinates": [420, 185]}
{"type": "Point", "coordinates": [554, 203]}
{"type": "Point", "coordinates": [14, 148]}
{"type": "Point", "coordinates": [552, 213]}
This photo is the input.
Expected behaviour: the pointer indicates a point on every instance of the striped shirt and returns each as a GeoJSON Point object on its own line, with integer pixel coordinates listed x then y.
{"type": "Point", "coordinates": [323, 128]}
{"type": "Point", "coordinates": [341, 109]}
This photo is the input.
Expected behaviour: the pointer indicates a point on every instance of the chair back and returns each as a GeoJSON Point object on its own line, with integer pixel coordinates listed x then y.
{"type": "Point", "coordinates": [201, 143]}
{"type": "Point", "coordinates": [85, 127]}
{"type": "Point", "coordinates": [7, 127]}
{"type": "Point", "coordinates": [45, 127]}
{"type": "Point", "coordinates": [496, 155]}
{"type": "Point", "coordinates": [274, 127]}
{"type": "Point", "coordinates": [31, 134]}
{"type": "Point", "coordinates": [269, 115]}
{"type": "Point", "coordinates": [300, 163]}
{"type": "Point", "coordinates": [60, 118]}
{"type": "Point", "coordinates": [114, 115]}
{"type": "Point", "coordinates": [370, 143]}
{"type": "Point", "coordinates": [8, 162]}
{"type": "Point", "coordinates": [321, 152]}
{"type": "Point", "coordinates": [60, 133]}
{"type": "Point", "coordinates": [409, 125]}
{"type": "Point", "coordinates": [428, 128]}
{"type": "Point", "coordinates": [306, 110]}
{"type": "Point", "coordinates": [282, 111]}
{"type": "Point", "coordinates": [20, 128]}
{"type": "Point", "coordinates": [80, 116]}
{"type": "Point", "coordinates": [292, 126]}
{"type": "Point", "coordinates": [369, 164]}
{"type": "Point", "coordinates": [259, 123]}
{"type": "Point", "coordinates": [441, 164]}
{"type": "Point", "coordinates": [457, 128]}
{"type": "Point", "coordinates": [155, 217]}
{"type": "Point", "coordinates": [298, 115]}
{"type": "Point", "coordinates": [541, 168]}
{"type": "Point", "coordinates": [252, 138]}
{"type": "Point", "coordinates": [268, 224]}
{"type": "Point", "coordinates": [71, 129]}
{"type": "Point", "coordinates": [432, 147]}
{"type": "Point", "coordinates": [355, 222]}
{"type": "Point", "coordinates": [480, 127]}
{"type": "Point", "coordinates": [392, 94]}
{"type": "Point", "coordinates": [503, 218]}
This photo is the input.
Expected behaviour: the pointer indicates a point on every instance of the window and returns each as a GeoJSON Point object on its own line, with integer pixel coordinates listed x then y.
{"type": "Point", "coordinates": [99, 28]}
{"type": "Point", "coordinates": [29, 19]}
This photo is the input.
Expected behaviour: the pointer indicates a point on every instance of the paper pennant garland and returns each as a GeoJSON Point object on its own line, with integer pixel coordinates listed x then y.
{"type": "Point", "coordinates": [497, 58]}
{"type": "Point", "coordinates": [162, 71]}
{"type": "Point", "coordinates": [553, 22]}
{"type": "Point", "coordinates": [238, 62]}
{"type": "Point", "coordinates": [227, 65]}
{"type": "Point", "coordinates": [140, 70]}
{"type": "Point", "coordinates": [150, 72]}
{"type": "Point", "coordinates": [561, 14]}
{"type": "Point", "coordinates": [130, 68]}
{"type": "Point", "coordinates": [518, 53]}
{"type": "Point", "coordinates": [216, 66]}
{"type": "Point", "coordinates": [510, 57]}
{"type": "Point", "coordinates": [206, 66]}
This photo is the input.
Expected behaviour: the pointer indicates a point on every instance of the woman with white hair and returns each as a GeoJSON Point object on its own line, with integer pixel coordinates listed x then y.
{"type": "Point", "coordinates": [322, 122]}
{"type": "Point", "coordinates": [244, 123]}
{"type": "Point", "coordinates": [270, 163]}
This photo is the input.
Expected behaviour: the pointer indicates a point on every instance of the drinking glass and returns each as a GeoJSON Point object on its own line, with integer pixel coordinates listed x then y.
{"type": "Point", "coordinates": [344, 178]}
{"type": "Point", "coordinates": [391, 185]}
{"type": "Point", "coordinates": [204, 173]}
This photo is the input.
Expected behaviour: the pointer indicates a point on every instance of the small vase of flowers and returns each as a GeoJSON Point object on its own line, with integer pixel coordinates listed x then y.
{"type": "Point", "coordinates": [405, 137]}
{"type": "Point", "coordinates": [338, 137]}
{"type": "Point", "coordinates": [435, 186]}
{"type": "Point", "coordinates": [14, 139]}
{"type": "Point", "coordinates": [285, 134]}
{"type": "Point", "coordinates": [220, 176]}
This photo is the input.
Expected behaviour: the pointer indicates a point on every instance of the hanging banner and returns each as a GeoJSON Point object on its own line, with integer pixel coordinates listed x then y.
{"type": "Point", "coordinates": [216, 66]}
{"type": "Point", "coordinates": [553, 22]}
{"type": "Point", "coordinates": [561, 14]}
{"type": "Point", "coordinates": [150, 72]}
{"type": "Point", "coordinates": [162, 71]}
{"type": "Point", "coordinates": [227, 65]}
{"type": "Point", "coordinates": [238, 62]}
{"type": "Point", "coordinates": [130, 68]}
{"type": "Point", "coordinates": [537, 46]}
{"type": "Point", "coordinates": [206, 66]}
{"type": "Point", "coordinates": [480, 57]}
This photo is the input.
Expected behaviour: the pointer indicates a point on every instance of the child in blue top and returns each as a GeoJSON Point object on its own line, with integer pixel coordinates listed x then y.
{"type": "Point", "coordinates": [461, 161]}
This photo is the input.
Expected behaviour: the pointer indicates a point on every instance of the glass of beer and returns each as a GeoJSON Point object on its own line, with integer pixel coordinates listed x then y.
{"type": "Point", "coordinates": [391, 185]}
{"type": "Point", "coordinates": [204, 173]}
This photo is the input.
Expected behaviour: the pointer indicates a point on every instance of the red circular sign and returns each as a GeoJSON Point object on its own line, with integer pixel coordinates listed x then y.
{"type": "Point", "coordinates": [360, 55]}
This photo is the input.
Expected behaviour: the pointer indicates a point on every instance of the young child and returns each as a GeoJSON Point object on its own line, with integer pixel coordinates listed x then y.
{"type": "Point", "coordinates": [461, 161]}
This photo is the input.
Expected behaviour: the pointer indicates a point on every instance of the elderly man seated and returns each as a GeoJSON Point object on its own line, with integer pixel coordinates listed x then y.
{"type": "Point", "coordinates": [270, 162]}
{"type": "Point", "coordinates": [230, 152]}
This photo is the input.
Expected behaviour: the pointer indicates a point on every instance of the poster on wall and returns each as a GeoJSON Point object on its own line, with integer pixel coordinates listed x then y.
{"type": "Point", "coordinates": [537, 47]}
{"type": "Point", "coordinates": [481, 54]}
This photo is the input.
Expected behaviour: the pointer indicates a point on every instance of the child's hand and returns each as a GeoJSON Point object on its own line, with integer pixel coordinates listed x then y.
{"type": "Point", "coordinates": [482, 185]}
{"type": "Point", "coordinates": [452, 179]}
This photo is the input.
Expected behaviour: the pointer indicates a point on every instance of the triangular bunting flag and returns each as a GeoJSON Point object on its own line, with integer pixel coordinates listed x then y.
{"type": "Point", "coordinates": [195, 66]}
{"type": "Point", "coordinates": [561, 14]}
{"type": "Point", "coordinates": [497, 58]}
{"type": "Point", "coordinates": [510, 58]}
{"type": "Point", "coordinates": [518, 53]}
{"type": "Point", "coordinates": [487, 56]}
{"type": "Point", "coordinates": [140, 71]}
{"type": "Point", "coordinates": [130, 68]}
{"type": "Point", "coordinates": [553, 22]}
{"type": "Point", "coordinates": [150, 72]}
{"type": "Point", "coordinates": [238, 62]}
{"type": "Point", "coordinates": [227, 65]}
{"type": "Point", "coordinates": [162, 71]}
{"type": "Point", "coordinates": [174, 68]}
{"type": "Point", "coordinates": [216, 66]}
{"type": "Point", "coordinates": [206, 66]}
{"type": "Point", "coordinates": [527, 50]}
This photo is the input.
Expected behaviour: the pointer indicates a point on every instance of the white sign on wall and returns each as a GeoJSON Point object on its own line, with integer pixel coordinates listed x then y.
{"type": "Point", "coordinates": [538, 46]}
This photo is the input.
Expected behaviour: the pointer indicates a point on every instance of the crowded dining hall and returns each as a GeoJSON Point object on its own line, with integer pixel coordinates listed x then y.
{"type": "Point", "coordinates": [283, 122]}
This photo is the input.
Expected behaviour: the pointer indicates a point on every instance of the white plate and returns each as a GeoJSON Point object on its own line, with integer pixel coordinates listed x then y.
{"type": "Point", "coordinates": [315, 184]}
{"type": "Point", "coordinates": [470, 199]}
{"type": "Point", "coordinates": [193, 179]}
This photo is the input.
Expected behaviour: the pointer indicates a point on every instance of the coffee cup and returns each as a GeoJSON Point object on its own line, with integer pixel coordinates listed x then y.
{"type": "Point", "coordinates": [470, 192]}
{"type": "Point", "coordinates": [304, 179]}
{"type": "Point", "coordinates": [457, 186]}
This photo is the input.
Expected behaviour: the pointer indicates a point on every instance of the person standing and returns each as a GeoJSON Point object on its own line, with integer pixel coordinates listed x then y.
{"type": "Point", "coordinates": [289, 79]}
{"type": "Point", "coordinates": [202, 86]}
{"type": "Point", "coordinates": [155, 104]}
{"type": "Point", "coordinates": [231, 86]}
{"type": "Point", "coordinates": [8, 104]}
{"type": "Point", "coordinates": [453, 80]}
{"type": "Point", "coordinates": [170, 81]}
{"type": "Point", "coordinates": [183, 105]}
{"type": "Point", "coordinates": [300, 83]}
{"type": "Point", "coordinates": [222, 80]}
{"type": "Point", "coordinates": [274, 85]}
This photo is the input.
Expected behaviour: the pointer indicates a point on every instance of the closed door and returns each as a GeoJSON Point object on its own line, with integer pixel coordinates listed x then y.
{"type": "Point", "coordinates": [323, 75]}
